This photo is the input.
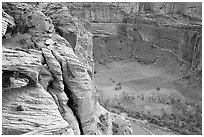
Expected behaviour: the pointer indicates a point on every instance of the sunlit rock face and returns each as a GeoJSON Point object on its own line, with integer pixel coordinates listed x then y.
{"type": "Point", "coordinates": [53, 51]}
{"type": "Point", "coordinates": [47, 48]}
{"type": "Point", "coordinates": [32, 110]}
{"type": "Point", "coordinates": [37, 64]}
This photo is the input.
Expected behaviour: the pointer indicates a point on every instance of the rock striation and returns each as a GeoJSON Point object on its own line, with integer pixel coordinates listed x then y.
{"type": "Point", "coordinates": [7, 22]}
{"type": "Point", "coordinates": [167, 34]}
{"type": "Point", "coordinates": [52, 50]}
{"type": "Point", "coordinates": [174, 27]}
{"type": "Point", "coordinates": [115, 12]}
{"type": "Point", "coordinates": [50, 45]}
{"type": "Point", "coordinates": [39, 113]}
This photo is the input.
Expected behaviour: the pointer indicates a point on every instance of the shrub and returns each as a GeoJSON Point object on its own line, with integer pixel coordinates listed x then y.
{"type": "Point", "coordinates": [118, 87]}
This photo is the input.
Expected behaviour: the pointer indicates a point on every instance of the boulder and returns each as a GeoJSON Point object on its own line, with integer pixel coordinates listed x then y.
{"type": "Point", "coordinates": [49, 42]}
{"type": "Point", "coordinates": [121, 125]}
{"type": "Point", "coordinates": [38, 20]}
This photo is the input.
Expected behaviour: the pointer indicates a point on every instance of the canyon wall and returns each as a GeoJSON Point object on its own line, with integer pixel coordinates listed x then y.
{"type": "Point", "coordinates": [130, 30]}
{"type": "Point", "coordinates": [126, 40]}
{"type": "Point", "coordinates": [48, 85]}
{"type": "Point", "coordinates": [110, 12]}
{"type": "Point", "coordinates": [50, 49]}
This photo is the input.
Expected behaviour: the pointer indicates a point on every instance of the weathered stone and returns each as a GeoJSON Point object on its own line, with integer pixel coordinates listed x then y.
{"type": "Point", "coordinates": [121, 126]}
{"type": "Point", "coordinates": [116, 12]}
{"type": "Point", "coordinates": [45, 77]}
{"type": "Point", "coordinates": [64, 67]}
{"type": "Point", "coordinates": [40, 112]}
{"type": "Point", "coordinates": [55, 69]}
{"type": "Point", "coordinates": [76, 60]}
{"type": "Point", "coordinates": [77, 79]}
{"type": "Point", "coordinates": [18, 11]}
{"type": "Point", "coordinates": [65, 63]}
{"type": "Point", "coordinates": [53, 131]}
{"type": "Point", "coordinates": [6, 78]}
{"type": "Point", "coordinates": [57, 89]}
{"type": "Point", "coordinates": [104, 120]}
{"type": "Point", "coordinates": [21, 62]}
{"type": "Point", "coordinates": [7, 21]}
{"type": "Point", "coordinates": [50, 35]}
{"type": "Point", "coordinates": [49, 42]}
{"type": "Point", "coordinates": [130, 41]}
{"type": "Point", "coordinates": [39, 21]}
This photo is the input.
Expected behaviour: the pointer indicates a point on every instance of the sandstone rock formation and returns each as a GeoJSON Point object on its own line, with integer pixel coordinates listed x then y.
{"type": "Point", "coordinates": [7, 21]}
{"type": "Point", "coordinates": [38, 112]}
{"type": "Point", "coordinates": [50, 45]}
{"type": "Point", "coordinates": [173, 27]}
{"type": "Point", "coordinates": [59, 70]}
{"type": "Point", "coordinates": [167, 36]}
{"type": "Point", "coordinates": [160, 33]}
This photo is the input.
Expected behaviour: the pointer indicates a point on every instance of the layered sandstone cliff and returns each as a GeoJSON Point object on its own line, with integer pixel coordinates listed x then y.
{"type": "Point", "coordinates": [48, 59]}
{"type": "Point", "coordinates": [49, 51]}
{"type": "Point", "coordinates": [172, 26]}
{"type": "Point", "coordinates": [170, 32]}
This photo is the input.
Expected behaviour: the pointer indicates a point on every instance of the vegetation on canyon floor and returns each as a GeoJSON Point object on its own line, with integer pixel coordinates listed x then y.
{"type": "Point", "coordinates": [185, 122]}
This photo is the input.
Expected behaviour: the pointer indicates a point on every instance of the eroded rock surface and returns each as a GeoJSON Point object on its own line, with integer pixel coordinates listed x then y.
{"type": "Point", "coordinates": [40, 66]}
{"type": "Point", "coordinates": [121, 126]}
{"type": "Point", "coordinates": [61, 68]}
{"type": "Point", "coordinates": [173, 27]}
{"type": "Point", "coordinates": [22, 62]}
{"type": "Point", "coordinates": [51, 46]}
{"type": "Point", "coordinates": [30, 109]}
{"type": "Point", "coordinates": [7, 21]}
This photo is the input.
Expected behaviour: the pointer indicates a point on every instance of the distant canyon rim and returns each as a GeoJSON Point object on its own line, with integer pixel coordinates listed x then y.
{"type": "Point", "coordinates": [102, 68]}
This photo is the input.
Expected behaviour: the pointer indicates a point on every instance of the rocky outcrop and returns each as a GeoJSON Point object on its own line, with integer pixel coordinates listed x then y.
{"type": "Point", "coordinates": [28, 110]}
{"type": "Point", "coordinates": [75, 67]}
{"type": "Point", "coordinates": [186, 8]}
{"type": "Point", "coordinates": [166, 35]}
{"type": "Point", "coordinates": [7, 22]}
{"type": "Point", "coordinates": [51, 47]}
{"type": "Point", "coordinates": [176, 50]}
{"type": "Point", "coordinates": [115, 12]}
{"type": "Point", "coordinates": [58, 67]}
{"type": "Point", "coordinates": [46, 71]}
{"type": "Point", "coordinates": [97, 12]}
{"type": "Point", "coordinates": [22, 62]}
{"type": "Point", "coordinates": [174, 27]}
{"type": "Point", "coordinates": [121, 125]}
{"type": "Point", "coordinates": [111, 123]}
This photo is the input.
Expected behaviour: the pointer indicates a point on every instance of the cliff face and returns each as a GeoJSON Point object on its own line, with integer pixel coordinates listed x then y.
{"type": "Point", "coordinates": [116, 11]}
{"type": "Point", "coordinates": [53, 73]}
{"type": "Point", "coordinates": [167, 31]}
{"type": "Point", "coordinates": [97, 12]}
{"type": "Point", "coordinates": [48, 59]}
{"type": "Point", "coordinates": [167, 37]}
{"type": "Point", "coordinates": [171, 26]}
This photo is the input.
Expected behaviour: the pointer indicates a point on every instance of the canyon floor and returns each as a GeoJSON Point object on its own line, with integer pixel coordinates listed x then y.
{"type": "Point", "coordinates": [108, 68]}
{"type": "Point", "coordinates": [132, 87]}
